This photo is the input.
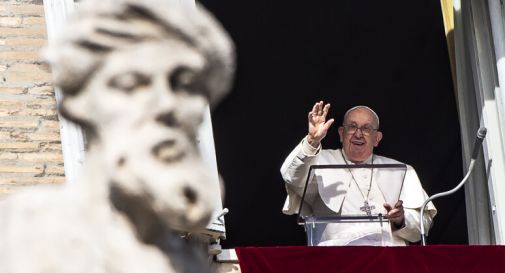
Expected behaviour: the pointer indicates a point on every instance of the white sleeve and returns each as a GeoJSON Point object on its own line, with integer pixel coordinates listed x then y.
{"type": "Point", "coordinates": [295, 167]}
{"type": "Point", "coordinates": [413, 197]}
{"type": "Point", "coordinates": [294, 171]}
{"type": "Point", "coordinates": [411, 231]}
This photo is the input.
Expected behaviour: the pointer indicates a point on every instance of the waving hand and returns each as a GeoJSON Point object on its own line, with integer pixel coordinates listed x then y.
{"type": "Point", "coordinates": [318, 126]}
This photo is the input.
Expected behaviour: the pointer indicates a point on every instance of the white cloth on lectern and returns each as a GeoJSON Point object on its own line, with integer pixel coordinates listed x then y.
{"type": "Point", "coordinates": [332, 191]}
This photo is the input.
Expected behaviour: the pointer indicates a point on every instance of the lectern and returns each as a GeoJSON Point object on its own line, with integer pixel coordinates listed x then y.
{"type": "Point", "coordinates": [327, 222]}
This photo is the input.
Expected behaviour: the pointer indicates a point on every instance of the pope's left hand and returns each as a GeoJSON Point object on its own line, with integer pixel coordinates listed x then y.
{"type": "Point", "coordinates": [395, 214]}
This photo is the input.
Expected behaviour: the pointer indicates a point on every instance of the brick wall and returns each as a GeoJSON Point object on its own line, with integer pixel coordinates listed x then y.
{"type": "Point", "coordinates": [30, 147]}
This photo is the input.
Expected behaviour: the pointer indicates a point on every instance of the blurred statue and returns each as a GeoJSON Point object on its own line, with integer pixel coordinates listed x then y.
{"type": "Point", "coordinates": [137, 75]}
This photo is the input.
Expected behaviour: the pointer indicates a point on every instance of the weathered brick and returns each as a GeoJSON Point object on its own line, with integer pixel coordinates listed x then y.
{"type": "Point", "coordinates": [27, 100]}
{"type": "Point", "coordinates": [40, 157]}
{"type": "Point", "coordinates": [46, 90]}
{"type": "Point", "coordinates": [48, 103]}
{"type": "Point", "coordinates": [18, 136]}
{"type": "Point", "coordinates": [20, 56]}
{"type": "Point", "coordinates": [20, 67]}
{"type": "Point", "coordinates": [30, 143]}
{"type": "Point", "coordinates": [8, 181]}
{"type": "Point", "coordinates": [43, 112]}
{"type": "Point", "coordinates": [36, 2]}
{"type": "Point", "coordinates": [14, 97]}
{"type": "Point", "coordinates": [55, 170]}
{"type": "Point", "coordinates": [18, 145]}
{"type": "Point", "coordinates": [30, 9]}
{"type": "Point", "coordinates": [10, 22]}
{"type": "Point", "coordinates": [19, 123]}
{"type": "Point", "coordinates": [49, 147]}
{"type": "Point", "coordinates": [8, 156]}
{"type": "Point", "coordinates": [22, 181]}
{"type": "Point", "coordinates": [33, 32]}
{"type": "Point", "coordinates": [34, 21]}
{"type": "Point", "coordinates": [50, 124]}
{"type": "Point", "coordinates": [34, 168]}
{"type": "Point", "coordinates": [51, 180]}
{"type": "Point", "coordinates": [5, 190]}
{"type": "Point", "coordinates": [24, 42]}
{"type": "Point", "coordinates": [25, 78]}
{"type": "Point", "coordinates": [5, 136]}
{"type": "Point", "coordinates": [48, 136]}
{"type": "Point", "coordinates": [5, 112]}
{"type": "Point", "coordinates": [10, 103]}
{"type": "Point", "coordinates": [9, 90]}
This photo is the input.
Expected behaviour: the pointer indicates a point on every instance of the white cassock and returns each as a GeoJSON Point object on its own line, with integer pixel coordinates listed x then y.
{"type": "Point", "coordinates": [343, 192]}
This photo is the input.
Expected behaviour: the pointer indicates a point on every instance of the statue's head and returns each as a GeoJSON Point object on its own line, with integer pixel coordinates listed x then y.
{"type": "Point", "coordinates": [133, 56]}
{"type": "Point", "coordinates": [138, 75]}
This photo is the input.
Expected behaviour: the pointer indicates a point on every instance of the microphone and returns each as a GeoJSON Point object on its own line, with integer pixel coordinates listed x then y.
{"type": "Point", "coordinates": [481, 134]}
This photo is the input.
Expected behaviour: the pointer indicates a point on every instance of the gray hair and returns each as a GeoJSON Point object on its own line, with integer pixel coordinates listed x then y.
{"type": "Point", "coordinates": [376, 117]}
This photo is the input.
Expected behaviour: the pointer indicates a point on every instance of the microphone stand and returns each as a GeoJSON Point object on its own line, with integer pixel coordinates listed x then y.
{"type": "Point", "coordinates": [481, 134]}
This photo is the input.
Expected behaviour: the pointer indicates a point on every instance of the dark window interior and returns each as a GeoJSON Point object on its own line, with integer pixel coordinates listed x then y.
{"type": "Point", "coordinates": [389, 55]}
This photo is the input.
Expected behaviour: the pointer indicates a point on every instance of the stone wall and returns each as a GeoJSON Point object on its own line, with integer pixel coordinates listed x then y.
{"type": "Point", "coordinates": [30, 147]}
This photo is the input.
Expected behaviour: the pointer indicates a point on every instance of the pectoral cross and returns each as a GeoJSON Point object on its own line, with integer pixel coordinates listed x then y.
{"type": "Point", "coordinates": [367, 208]}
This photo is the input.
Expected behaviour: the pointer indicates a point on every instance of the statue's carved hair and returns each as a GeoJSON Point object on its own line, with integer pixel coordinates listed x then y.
{"type": "Point", "coordinates": [103, 26]}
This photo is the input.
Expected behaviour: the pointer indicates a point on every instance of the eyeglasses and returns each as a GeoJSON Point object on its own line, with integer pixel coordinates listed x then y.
{"type": "Point", "coordinates": [365, 130]}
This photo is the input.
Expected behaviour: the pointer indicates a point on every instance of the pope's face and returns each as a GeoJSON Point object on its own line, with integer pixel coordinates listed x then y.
{"type": "Point", "coordinates": [358, 145]}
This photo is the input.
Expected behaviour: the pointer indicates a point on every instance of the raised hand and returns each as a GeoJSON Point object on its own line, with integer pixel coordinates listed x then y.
{"type": "Point", "coordinates": [318, 126]}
